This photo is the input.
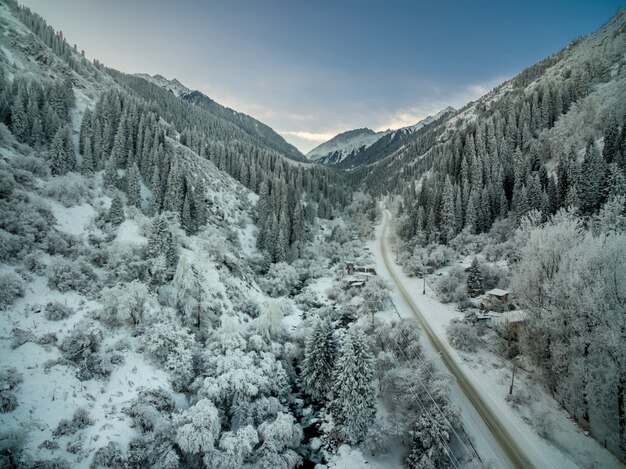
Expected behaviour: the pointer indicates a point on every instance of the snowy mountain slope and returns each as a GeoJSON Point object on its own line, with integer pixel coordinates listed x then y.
{"type": "Point", "coordinates": [363, 146]}
{"type": "Point", "coordinates": [590, 69]}
{"type": "Point", "coordinates": [175, 86]}
{"type": "Point", "coordinates": [257, 130]}
{"type": "Point", "coordinates": [343, 145]}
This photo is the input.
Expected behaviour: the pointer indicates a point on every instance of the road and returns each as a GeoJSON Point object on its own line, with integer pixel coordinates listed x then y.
{"type": "Point", "coordinates": [496, 426]}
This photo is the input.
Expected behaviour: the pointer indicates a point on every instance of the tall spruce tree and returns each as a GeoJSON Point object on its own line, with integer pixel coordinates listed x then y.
{"type": "Point", "coordinates": [320, 355]}
{"type": "Point", "coordinates": [353, 407]}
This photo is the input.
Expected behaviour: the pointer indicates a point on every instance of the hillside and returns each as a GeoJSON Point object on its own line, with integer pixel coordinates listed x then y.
{"type": "Point", "coordinates": [260, 132]}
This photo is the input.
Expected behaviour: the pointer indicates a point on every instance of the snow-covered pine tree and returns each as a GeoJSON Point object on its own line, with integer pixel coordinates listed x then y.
{"type": "Point", "coordinates": [431, 436]}
{"type": "Point", "coordinates": [475, 281]}
{"type": "Point", "coordinates": [110, 173]}
{"type": "Point", "coordinates": [116, 211]}
{"type": "Point", "coordinates": [62, 157]}
{"type": "Point", "coordinates": [87, 164]}
{"type": "Point", "coordinates": [320, 355]}
{"type": "Point", "coordinates": [354, 397]}
{"type": "Point", "coordinates": [133, 186]}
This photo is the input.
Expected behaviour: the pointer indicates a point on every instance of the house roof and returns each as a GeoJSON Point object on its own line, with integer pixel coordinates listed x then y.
{"type": "Point", "coordinates": [518, 315]}
{"type": "Point", "coordinates": [497, 292]}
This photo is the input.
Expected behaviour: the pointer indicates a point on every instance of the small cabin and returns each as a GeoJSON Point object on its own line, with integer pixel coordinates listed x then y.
{"type": "Point", "coordinates": [498, 296]}
{"type": "Point", "coordinates": [512, 320]}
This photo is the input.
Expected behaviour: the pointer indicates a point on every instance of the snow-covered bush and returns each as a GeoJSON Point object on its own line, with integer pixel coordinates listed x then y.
{"type": "Point", "coordinates": [379, 437]}
{"type": "Point", "coordinates": [279, 439]}
{"type": "Point", "coordinates": [56, 311]}
{"type": "Point", "coordinates": [34, 264]}
{"type": "Point", "coordinates": [80, 420]}
{"type": "Point", "coordinates": [109, 456]}
{"type": "Point", "coordinates": [269, 324]}
{"type": "Point", "coordinates": [280, 279]}
{"type": "Point", "coordinates": [69, 190]}
{"type": "Point", "coordinates": [32, 164]}
{"type": "Point", "coordinates": [49, 338]}
{"type": "Point", "coordinates": [10, 246]}
{"type": "Point", "coordinates": [10, 379]}
{"type": "Point", "coordinates": [198, 428]}
{"type": "Point", "coordinates": [543, 424]}
{"type": "Point", "coordinates": [125, 263]}
{"type": "Point", "coordinates": [81, 347]}
{"type": "Point", "coordinates": [8, 401]}
{"type": "Point", "coordinates": [431, 442]}
{"type": "Point", "coordinates": [11, 288]}
{"type": "Point", "coordinates": [375, 295]}
{"type": "Point", "coordinates": [65, 275]}
{"type": "Point", "coordinates": [494, 276]}
{"type": "Point", "coordinates": [171, 346]}
{"type": "Point", "coordinates": [21, 336]}
{"type": "Point", "coordinates": [451, 286]}
{"type": "Point", "coordinates": [12, 444]}
{"type": "Point", "coordinates": [150, 409]}
{"type": "Point", "coordinates": [7, 184]}
{"type": "Point", "coordinates": [127, 303]}
{"type": "Point", "coordinates": [462, 336]}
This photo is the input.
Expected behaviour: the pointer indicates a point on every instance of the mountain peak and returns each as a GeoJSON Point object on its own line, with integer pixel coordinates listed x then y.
{"type": "Point", "coordinates": [175, 86]}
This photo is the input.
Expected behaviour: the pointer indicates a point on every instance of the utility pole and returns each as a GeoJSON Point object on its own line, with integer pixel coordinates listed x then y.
{"type": "Point", "coordinates": [512, 378]}
{"type": "Point", "coordinates": [424, 290]}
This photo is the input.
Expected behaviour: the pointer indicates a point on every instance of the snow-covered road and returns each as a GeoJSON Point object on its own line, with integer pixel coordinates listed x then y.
{"type": "Point", "coordinates": [493, 438]}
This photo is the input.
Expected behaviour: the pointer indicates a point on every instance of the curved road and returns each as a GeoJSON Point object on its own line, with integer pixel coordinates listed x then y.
{"type": "Point", "coordinates": [499, 430]}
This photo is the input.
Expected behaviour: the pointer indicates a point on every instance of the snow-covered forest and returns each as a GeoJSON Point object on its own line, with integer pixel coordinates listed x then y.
{"type": "Point", "coordinates": [179, 287]}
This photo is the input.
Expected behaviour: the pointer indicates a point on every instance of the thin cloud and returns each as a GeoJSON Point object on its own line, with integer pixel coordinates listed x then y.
{"type": "Point", "coordinates": [310, 136]}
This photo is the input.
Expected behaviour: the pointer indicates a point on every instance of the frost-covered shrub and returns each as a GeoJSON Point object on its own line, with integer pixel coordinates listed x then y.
{"type": "Point", "coordinates": [68, 190]}
{"type": "Point", "coordinates": [269, 324]}
{"type": "Point", "coordinates": [65, 275]}
{"type": "Point", "coordinates": [10, 379]}
{"type": "Point", "coordinates": [49, 338]}
{"type": "Point", "coordinates": [150, 409]}
{"type": "Point", "coordinates": [81, 344]}
{"type": "Point", "coordinates": [543, 424]}
{"type": "Point", "coordinates": [154, 449]}
{"type": "Point", "coordinates": [80, 420]}
{"type": "Point", "coordinates": [171, 346]}
{"type": "Point", "coordinates": [280, 279]}
{"type": "Point", "coordinates": [125, 263]}
{"type": "Point", "coordinates": [462, 336]}
{"type": "Point", "coordinates": [494, 276]}
{"type": "Point", "coordinates": [32, 164]}
{"type": "Point", "coordinates": [127, 303]}
{"type": "Point", "coordinates": [379, 437]}
{"type": "Point", "coordinates": [7, 184]}
{"type": "Point", "coordinates": [198, 428]}
{"type": "Point", "coordinates": [10, 246]}
{"type": "Point", "coordinates": [11, 288]}
{"type": "Point", "coordinates": [12, 443]}
{"type": "Point", "coordinates": [108, 456]}
{"type": "Point", "coordinates": [34, 264]}
{"type": "Point", "coordinates": [8, 401]}
{"type": "Point", "coordinates": [21, 336]}
{"type": "Point", "coordinates": [56, 311]}
{"type": "Point", "coordinates": [451, 286]}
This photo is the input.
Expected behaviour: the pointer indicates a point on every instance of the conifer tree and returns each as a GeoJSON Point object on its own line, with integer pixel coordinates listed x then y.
{"type": "Point", "coordinates": [475, 280]}
{"type": "Point", "coordinates": [110, 173]}
{"type": "Point", "coordinates": [62, 157]}
{"type": "Point", "coordinates": [353, 407]}
{"type": "Point", "coordinates": [320, 355]}
{"type": "Point", "coordinates": [87, 164]}
{"type": "Point", "coordinates": [116, 211]}
{"type": "Point", "coordinates": [133, 186]}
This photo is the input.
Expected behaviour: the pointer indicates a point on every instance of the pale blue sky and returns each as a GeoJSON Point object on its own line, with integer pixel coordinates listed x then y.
{"type": "Point", "coordinates": [313, 69]}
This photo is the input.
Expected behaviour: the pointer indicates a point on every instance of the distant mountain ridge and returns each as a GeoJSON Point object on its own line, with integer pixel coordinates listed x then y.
{"type": "Point", "coordinates": [251, 126]}
{"type": "Point", "coordinates": [362, 146]}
